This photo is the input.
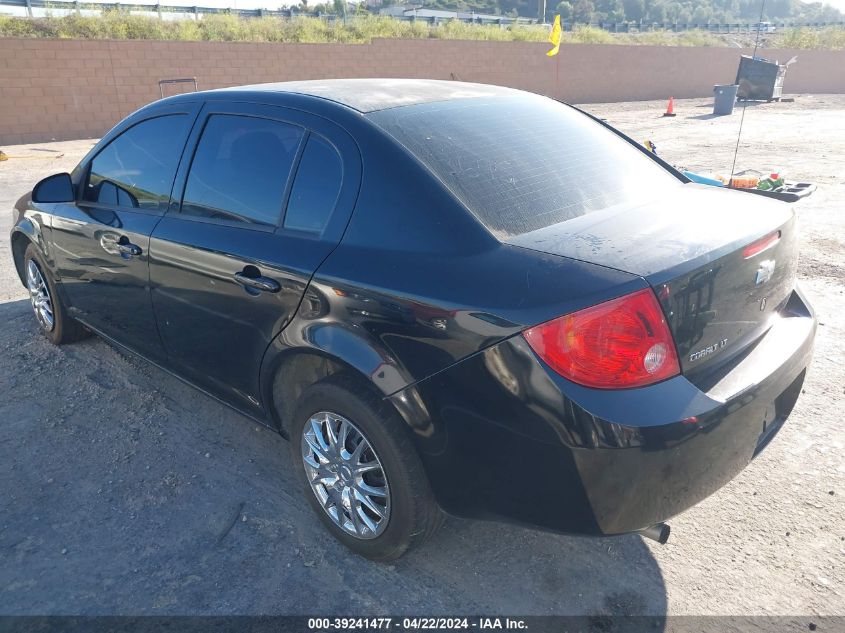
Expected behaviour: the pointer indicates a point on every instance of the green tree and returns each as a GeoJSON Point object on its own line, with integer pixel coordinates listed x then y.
{"type": "Point", "coordinates": [564, 10]}
{"type": "Point", "coordinates": [657, 12]}
{"type": "Point", "coordinates": [611, 10]}
{"type": "Point", "coordinates": [583, 11]}
{"type": "Point", "coordinates": [701, 15]}
{"type": "Point", "coordinates": [648, 10]}
{"type": "Point", "coordinates": [634, 9]}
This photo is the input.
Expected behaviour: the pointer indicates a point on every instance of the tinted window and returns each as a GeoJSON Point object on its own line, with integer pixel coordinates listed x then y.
{"type": "Point", "coordinates": [137, 168]}
{"type": "Point", "coordinates": [240, 169]}
{"type": "Point", "coordinates": [316, 187]}
{"type": "Point", "coordinates": [524, 163]}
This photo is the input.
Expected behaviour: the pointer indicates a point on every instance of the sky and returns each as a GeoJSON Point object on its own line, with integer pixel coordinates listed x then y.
{"type": "Point", "coordinates": [265, 4]}
{"type": "Point", "coordinates": [223, 4]}
{"type": "Point", "coordinates": [270, 4]}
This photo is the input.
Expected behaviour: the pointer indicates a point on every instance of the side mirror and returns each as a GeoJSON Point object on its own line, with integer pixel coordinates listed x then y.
{"type": "Point", "coordinates": [55, 188]}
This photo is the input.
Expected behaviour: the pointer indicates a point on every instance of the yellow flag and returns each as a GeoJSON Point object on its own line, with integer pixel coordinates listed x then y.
{"type": "Point", "coordinates": [554, 37]}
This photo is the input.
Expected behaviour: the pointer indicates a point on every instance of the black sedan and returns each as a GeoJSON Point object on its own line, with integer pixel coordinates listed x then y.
{"type": "Point", "coordinates": [448, 296]}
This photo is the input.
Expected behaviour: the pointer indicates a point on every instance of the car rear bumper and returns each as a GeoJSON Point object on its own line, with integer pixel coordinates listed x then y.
{"type": "Point", "coordinates": [504, 437]}
{"type": "Point", "coordinates": [672, 466]}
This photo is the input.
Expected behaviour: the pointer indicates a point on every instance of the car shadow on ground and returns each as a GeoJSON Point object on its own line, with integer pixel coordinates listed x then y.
{"type": "Point", "coordinates": [128, 492]}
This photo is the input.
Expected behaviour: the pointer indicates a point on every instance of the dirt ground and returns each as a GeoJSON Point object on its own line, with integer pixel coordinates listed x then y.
{"type": "Point", "coordinates": [123, 491]}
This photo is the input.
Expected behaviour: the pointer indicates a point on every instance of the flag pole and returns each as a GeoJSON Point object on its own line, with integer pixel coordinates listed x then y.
{"type": "Point", "coordinates": [557, 76]}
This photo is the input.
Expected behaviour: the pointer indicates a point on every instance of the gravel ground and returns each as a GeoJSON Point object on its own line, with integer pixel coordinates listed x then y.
{"type": "Point", "coordinates": [123, 491]}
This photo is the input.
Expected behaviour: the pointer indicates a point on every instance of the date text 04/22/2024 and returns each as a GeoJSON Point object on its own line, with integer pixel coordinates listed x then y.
{"type": "Point", "coordinates": [409, 623]}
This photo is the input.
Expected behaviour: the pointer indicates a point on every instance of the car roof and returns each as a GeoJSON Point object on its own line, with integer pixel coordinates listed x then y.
{"type": "Point", "coordinates": [369, 95]}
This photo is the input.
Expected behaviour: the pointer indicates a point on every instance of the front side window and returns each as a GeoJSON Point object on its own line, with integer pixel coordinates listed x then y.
{"type": "Point", "coordinates": [137, 168]}
{"type": "Point", "coordinates": [315, 188]}
{"type": "Point", "coordinates": [240, 170]}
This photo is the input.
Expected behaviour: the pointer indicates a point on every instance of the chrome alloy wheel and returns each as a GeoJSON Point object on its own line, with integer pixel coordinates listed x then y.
{"type": "Point", "coordinates": [346, 475]}
{"type": "Point", "coordinates": [39, 295]}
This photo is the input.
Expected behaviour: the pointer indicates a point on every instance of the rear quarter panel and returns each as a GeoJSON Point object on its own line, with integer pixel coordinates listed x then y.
{"type": "Point", "coordinates": [417, 284]}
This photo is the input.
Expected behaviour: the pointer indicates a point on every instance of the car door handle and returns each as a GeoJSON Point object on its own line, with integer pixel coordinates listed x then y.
{"type": "Point", "coordinates": [127, 248]}
{"type": "Point", "coordinates": [262, 284]}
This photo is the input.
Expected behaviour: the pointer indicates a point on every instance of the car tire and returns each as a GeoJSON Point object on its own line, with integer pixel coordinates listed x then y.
{"type": "Point", "coordinates": [411, 512]}
{"type": "Point", "coordinates": [50, 313]}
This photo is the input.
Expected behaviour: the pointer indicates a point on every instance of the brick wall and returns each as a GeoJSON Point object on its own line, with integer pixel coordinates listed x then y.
{"type": "Point", "coordinates": [65, 89]}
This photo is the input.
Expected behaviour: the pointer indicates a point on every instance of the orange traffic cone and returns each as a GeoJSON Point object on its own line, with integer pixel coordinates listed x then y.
{"type": "Point", "coordinates": [670, 109]}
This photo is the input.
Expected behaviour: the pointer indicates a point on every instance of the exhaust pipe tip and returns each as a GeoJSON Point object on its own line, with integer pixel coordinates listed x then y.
{"type": "Point", "coordinates": [659, 532]}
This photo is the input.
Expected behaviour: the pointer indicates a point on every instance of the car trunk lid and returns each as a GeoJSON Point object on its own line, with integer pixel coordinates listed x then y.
{"type": "Point", "coordinates": [688, 244]}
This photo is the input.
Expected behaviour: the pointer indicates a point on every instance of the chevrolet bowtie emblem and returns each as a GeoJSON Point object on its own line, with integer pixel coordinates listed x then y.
{"type": "Point", "coordinates": [765, 272]}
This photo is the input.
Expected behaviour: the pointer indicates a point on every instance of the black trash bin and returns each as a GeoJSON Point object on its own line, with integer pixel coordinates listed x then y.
{"type": "Point", "coordinates": [760, 79]}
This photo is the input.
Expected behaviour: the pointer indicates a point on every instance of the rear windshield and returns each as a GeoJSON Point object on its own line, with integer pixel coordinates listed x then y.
{"type": "Point", "coordinates": [524, 163]}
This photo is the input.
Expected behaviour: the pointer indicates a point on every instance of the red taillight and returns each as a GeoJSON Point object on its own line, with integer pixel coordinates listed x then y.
{"type": "Point", "coordinates": [617, 344]}
{"type": "Point", "coordinates": [761, 245]}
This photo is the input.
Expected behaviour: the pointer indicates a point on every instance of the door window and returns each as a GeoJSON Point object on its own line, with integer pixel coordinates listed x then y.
{"type": "Point", "coordinates": [137, 168]}
{"type": "Point", "coordinates": [241, 169]}
{"type": "Point", "coordinates": [315, 188]}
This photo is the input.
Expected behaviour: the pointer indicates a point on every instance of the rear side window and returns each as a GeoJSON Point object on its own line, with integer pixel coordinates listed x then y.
{"type": "Point", "coordinates": [240, 169]}
{"type": "Point", "coordinates": [524, 163]}
{"type": "Point", "coordinates": [137, 168]}
{"type": "Point", "coordinates": [315, 188]}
